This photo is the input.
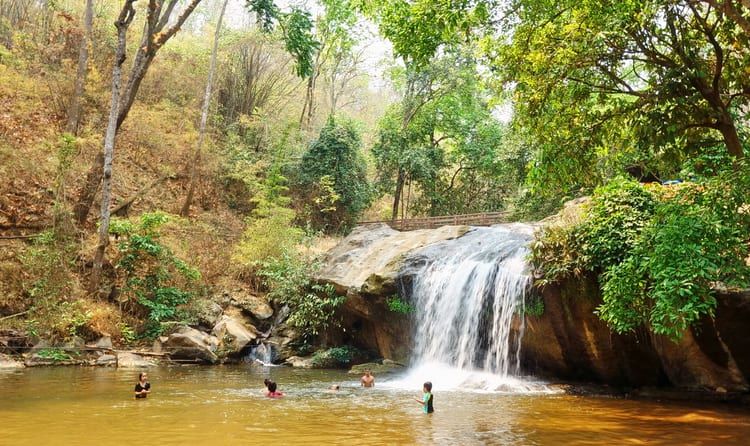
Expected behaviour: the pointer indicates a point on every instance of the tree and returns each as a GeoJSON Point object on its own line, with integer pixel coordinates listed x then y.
{"type": "Point", "coordinates": [598, 85]}
{"type": "Point", "coordinates": [334, 30]}
{"type": "Point", "coordinates": [444, 139]}
{"type": "Point", "coordinates": [601, 85]}
{"type": "Point", "coordinates": [204, 115]}
{"type": "Point", "coordinates": [296, 26]}
{"type": "Point", "coordinates": [122, 24]}
{"type": "Point", "coordinates": [334, 161]}
{"type": "Point", "coordinates": [74, 110]}
{"type": "Point", "coordinates": [158, 29]}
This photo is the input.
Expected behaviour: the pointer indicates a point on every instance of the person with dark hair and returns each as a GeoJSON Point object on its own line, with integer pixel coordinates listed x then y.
{"type": "Point", "coordinates": [142, 387]}
{"type": "Point", "coordinates": [426, 401]}
{"type": "Point", "coordinates": [367, 379]}
{"type": "Point", "coordinates": [266, 382]}
{"type": "Point", "coordinates": [272, 393]}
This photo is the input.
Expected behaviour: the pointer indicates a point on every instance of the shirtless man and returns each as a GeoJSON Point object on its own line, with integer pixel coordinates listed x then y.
{"type": "Point", "coordinates": [367, 380]}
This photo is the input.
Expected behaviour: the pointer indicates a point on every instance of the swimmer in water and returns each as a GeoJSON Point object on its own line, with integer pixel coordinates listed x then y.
{"type": "Point", "coordinates": [272, 393]}
{"type": "Point", "coordinates": [426, 401]}
{"type": "Point", "coordinates": [367, 380]}
{"type": "Point", "coordinates": [142, 387]}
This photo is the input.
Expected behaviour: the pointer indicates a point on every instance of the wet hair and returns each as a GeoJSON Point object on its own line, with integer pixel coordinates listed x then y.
{"type": "Point", "coordinates": [428, 386]}
{"type": "Point", "coordinates": [335, 387]}
{"type": "Point", "coordinates": [271, 386]}
{"type": "Point", "coordinates": [140, 376]}
{"type": "Point", "coordinates": [266, 382]}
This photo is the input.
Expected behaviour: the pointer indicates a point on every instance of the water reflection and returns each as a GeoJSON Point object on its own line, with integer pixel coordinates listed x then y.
{"type": "Point", "coordinates": [226, 405]}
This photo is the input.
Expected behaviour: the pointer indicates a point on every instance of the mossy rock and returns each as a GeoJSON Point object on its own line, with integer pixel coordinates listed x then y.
{"type": "Point", "coordinates": [376, 368]}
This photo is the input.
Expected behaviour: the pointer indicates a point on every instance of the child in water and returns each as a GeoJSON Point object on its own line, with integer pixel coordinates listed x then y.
{"type": "Point", "coordinates": [426, 401]}
{"type": "Point", "coordinates": [272, 393]}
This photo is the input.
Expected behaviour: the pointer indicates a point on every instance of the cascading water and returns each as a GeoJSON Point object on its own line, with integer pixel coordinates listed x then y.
{"type": "Point", "coordinates": [468, 294]}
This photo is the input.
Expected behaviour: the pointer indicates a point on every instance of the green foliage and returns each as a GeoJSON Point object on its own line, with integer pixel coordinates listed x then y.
{"type": "Point", "coordinates": [335, 172]}
{"type": "Point", "coordinates": [266, 12]}
{"type": "Point", "coordinates": [154, 278]}
{"type": "Point", "coordinates": [336, 357]}
{"type": "Point", "coordinates": [297, 32]}
{"type": "Point", "coordinates": [53, 354]}
{"type": "Point", "coordinates": [616, 217]}
{"type": "Point", "coordinates": [444, 140]}
{"type": "Point", "coordinates": [661, 251]}
{"type": "Point", "coordinates": [270, 231]}
{"type": "Point", "coordinates": [534, 307]}
{"type": "Point", "coordinates": [312, 306]}
{"type": "Point", "coordinates": [398, 305]}
{"type": "Point", "coordinates": [72, 317]}
{"type": "Point", "coordinates": [127, 333]}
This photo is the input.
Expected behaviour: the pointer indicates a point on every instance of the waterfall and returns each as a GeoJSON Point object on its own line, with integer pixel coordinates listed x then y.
{"type": "Point", "coordinates": [468, 294]}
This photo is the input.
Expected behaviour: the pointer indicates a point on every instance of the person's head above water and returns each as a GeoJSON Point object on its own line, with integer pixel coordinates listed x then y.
{"type": "Point", "coordinates": [266, 382]}
{"type": "Point", "coordinates": [271, 386]}
{"type": "Point", "coordinates": [335, 387]}
{"type": "Point", "coordinates": [367, 372]}
{"type": "Point", "coordinates": [143, 376]}
{"type": "Point", "coordinates": [427, 386]}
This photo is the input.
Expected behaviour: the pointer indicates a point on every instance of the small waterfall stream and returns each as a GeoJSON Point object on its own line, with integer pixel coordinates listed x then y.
{"type": "Point", "coordinates": [467, 294]}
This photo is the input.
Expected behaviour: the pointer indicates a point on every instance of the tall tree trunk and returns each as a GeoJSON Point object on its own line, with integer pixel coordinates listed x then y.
{"type": "Point", "coordinates": [74, 111]}
{"type": "Point", "coordinates": [122, 24]}
{"type": "Point", "coordinates": [204, 116]}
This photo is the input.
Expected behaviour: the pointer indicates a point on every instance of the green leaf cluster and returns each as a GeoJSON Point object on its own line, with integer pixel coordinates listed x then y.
{"type": "Point", "coordinates": [334, 173]}
{"type": "Point", "coordinates": [661, 251]}
{"type": "Point", "coordinates": [155, 280]}
{"type": "Point", "coordinates": [312, 306]}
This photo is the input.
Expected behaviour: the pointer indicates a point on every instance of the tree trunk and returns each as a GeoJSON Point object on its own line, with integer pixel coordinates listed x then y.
{"type": "Point", "coordinates": [397, 193]}
{"type": "Point", "coordinates": [88, 192]}
{"type": "Point", "coordinates": [74, 111]}
{"type": "Point", "coordinates": [122, 24]}
{"type": "Point", "coordinates": [731, 138]}
{"type": "Point", "coordinates": [204, 116]}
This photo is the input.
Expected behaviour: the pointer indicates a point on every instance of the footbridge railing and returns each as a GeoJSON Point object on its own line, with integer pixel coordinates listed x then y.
{"type": "Point", "coordinates": [411, 224]}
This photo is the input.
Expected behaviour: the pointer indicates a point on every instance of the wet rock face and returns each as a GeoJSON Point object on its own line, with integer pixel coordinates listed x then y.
{"type": "Point", "coordinates": [569, 341]}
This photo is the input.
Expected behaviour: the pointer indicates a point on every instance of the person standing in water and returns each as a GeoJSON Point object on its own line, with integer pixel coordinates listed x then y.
{"type": "Point", "coordinates": [426, 401]}
{"type": "Point", "coordinates": [142, 387]}
{"type": "Point", "coordinates": [367, 380]}
{"type": "Point", "coordinates": [272, 393]}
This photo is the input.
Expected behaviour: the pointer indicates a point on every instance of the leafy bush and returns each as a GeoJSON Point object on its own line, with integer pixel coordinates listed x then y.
{"type": "Point", "coordinates": [334, 171]}
{"type": "Point", "coordinates": [270, 231]}
{"type": "Point", "coordinates": [336, 357]}
{"type": "Point", "coordinates": [289, 281]}
{"type": "Point", "coordinates": [660, 252]}
{"type": "Point", "coordinates": [53, 354]}
{"type": "Point", "coordinates": [398, 305]}
{"type": "Point", "coordinates": [155, 279]}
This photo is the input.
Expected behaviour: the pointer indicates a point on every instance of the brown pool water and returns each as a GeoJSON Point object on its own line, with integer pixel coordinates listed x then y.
{"type": "Point", "coordinates": [226, 406]}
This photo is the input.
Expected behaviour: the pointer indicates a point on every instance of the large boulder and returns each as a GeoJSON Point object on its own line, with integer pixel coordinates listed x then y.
{"type": "Point", "coordinates": [8, 363]}
{"type": "Point", "coordinates": [189, 343]}
{"type": "Point", "coordinates": [208, 312]}
{"type": "Point", "coordinates": [369, 259]}
{"type": "Point", "coordinates": [106, 361]}
{"type": "Point", "coordinates": [233, 335]}
{"type": "Point", "coordinates": [127, 360]}
{"type": "Point", "coordinates": [235, 293]}
{"type": "Point", "coordinates": [300, 362]}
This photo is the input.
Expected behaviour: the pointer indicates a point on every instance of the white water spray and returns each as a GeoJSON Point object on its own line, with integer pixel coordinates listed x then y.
{"type": "Point", "coordinates": [469, 296]}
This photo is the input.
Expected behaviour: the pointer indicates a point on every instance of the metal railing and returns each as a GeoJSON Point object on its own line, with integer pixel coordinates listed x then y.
{"type": "Point", "coordinates": [411, 224]}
